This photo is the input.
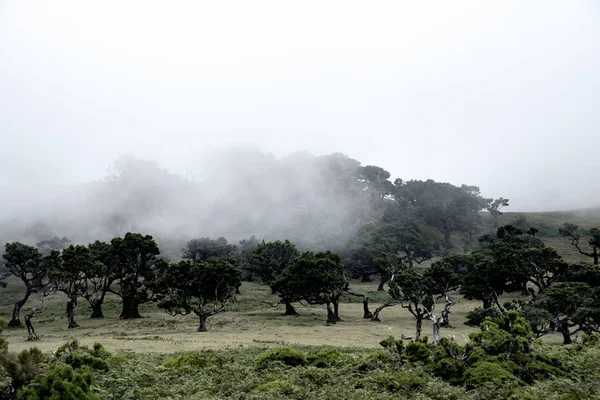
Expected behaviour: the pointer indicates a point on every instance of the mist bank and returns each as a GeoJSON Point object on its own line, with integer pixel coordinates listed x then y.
{"type": "Point", "coordinates": [236, 193]}
{"type": "Point", "coordinates": [318, 202]}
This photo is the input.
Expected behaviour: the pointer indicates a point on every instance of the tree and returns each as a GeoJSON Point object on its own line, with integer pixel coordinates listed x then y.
{"type": "Point", "coordinates": [317, 278]}
{"type": "Point", "coordinates": [483, 280]}
{"type": "Point", "coordinates": [102, 274]}
{"type": "Point", "coordinates": [53, 244]}
{"type": "Point", "coordinates": [572, 305]}
{"type": "Point", "coordinates": [69, 274]}
{"type": "Point", "coordinates": [24, 262]}
{"type": "Point", "coordinates": [494, 208]}
{"type": "Point", "coordinates": [135, 261]}
{"type": "Point", "coordinates": [394, 236]}
{"type": "Point", "coordinates": [268, 261]}
{"type": "Point", "coordinates": [571, 231]}
{"type": "Point", "coordinates": [447, 275]}
{"type": "Point", "coordinates": [204, 248]}
{"type": "Point", "coordinates": [443, 206]}
{"type": "Point", "coordinates": [375, 180]}
{"type": "Point", "coordinates": [192, 286]}
{"type": "Point", "coordinates": [506, 248]}
{"type": "Point", "coordinates": [414, 291]}
{"type": "Point", "coordinates": [542, 266]}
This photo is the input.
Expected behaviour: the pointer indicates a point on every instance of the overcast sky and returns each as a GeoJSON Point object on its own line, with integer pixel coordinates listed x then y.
{"type": "Point", "coordinates": [505, 96]}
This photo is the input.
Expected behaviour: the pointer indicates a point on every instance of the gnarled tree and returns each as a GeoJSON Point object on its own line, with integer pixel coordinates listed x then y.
{"type": "Point", "coordinates": [202, 288]}
{"type": "Point", "coordinates": [268, 261]}
{"type": "Point", "coordinates": [135, 261]}
{"type": "Point", "coordinates": [24, 262]}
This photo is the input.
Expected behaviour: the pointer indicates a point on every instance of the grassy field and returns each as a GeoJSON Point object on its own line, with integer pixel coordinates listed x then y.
{"type": "Point", "coordinates": [251, 323]}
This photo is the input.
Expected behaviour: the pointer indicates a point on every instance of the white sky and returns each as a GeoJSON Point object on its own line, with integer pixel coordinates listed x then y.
{"type": "Point", "coordinates": [504, 96]}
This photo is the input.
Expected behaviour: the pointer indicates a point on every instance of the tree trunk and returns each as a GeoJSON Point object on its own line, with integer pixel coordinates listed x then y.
{"type": "Point", "coordinates": [524, 291]}
{"type": "Point", "coordinates": [330, 315]}
{"type": "Point", "coordinates": [202, 318]}
{"type": "Point", "coordinates": [365, 278]}
{"type": "Point", "coordinates": [96, 308]}
{"type": "Point", "coordinates": [566, 337]}
{"type": "Point", "coordinates": [130, 308]}
{"type": "Point", "coordinates": [419, 328]}
{"type": "Point", "coordinates": [487, 303]}
{"type": "Point", "coordinates": [32, 335]}
{"type": "Point", "coordinates": [384, 278]}
{"type": "Point", "coordinates": [71, 304]}
{"type": "Point", "coordinates": [446, 313]}
{"type": "Point", "coordinates": [366, 313]}
{"type": "Point", "coordinates": [15, 321]}
{"type": "Point", "coordinates": [436, 332]}
{"type": "Point", "coordinates": [595, 256]}
{"type": "Point", "coordinates": [289, 309]}
{"type": "Point", "coordinates": [336, 310]}
{"type": "Point", "coordinates": [375, 317]}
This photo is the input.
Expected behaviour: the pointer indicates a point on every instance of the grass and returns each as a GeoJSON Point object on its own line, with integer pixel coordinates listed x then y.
{"type": "Point", "coordinates": [251, 323]}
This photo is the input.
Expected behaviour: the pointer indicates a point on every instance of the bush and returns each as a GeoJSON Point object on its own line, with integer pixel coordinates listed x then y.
{"type": "Point", "coordinates": [478, 315]}
{"type": "Point", "coordinates": [486, 372]}
{"type": "Point", "coordinates": [60, 382]}
{"type": "Point", "coordinates": [403, 382]}
{"type": "Point", "coordinates": [285, 355]}
{"type": "Point", "coordinates": [324, 359]}
{"type": "Point", "coordinates": [187, 361]}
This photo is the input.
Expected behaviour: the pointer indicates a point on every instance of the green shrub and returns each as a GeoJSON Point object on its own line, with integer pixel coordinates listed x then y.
{"type": "Point", "coordinates": [59, 382]}
{"type": "Point", "coordinates": [399, 382]}
{"type": "Point", "coordinates": [285, 355]}
{"type": "Point", "coordinates": [418, 352]}
{"type": "Point", "coordinates": [283, 387]}
{"type": "Point", "coordinates": [187, 361]}
{"type": "Point", "coordinates": [486, 372]}
{"type": "Point", "coordinates": [478, 315]}
{"type": "Point", "coordinates": [324, 359]}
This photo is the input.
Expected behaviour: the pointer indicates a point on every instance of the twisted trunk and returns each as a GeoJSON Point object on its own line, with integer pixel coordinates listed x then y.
{"type": "Point", "coordinates": [96, 305]}
{"type": "Point", "coordinates": [336, 309]}
{"type": "Point", "coordinates": [375, 317]}
{"type": "Point", "coordinates": [384, 279]}
{"type": "Point", "coordinates": [31, 332]}
{"type": "Point", "coordinates": [366, 313]}
{"type": "Point", "coordinates": [331, 319]}
{"type": "Point", "coordinates": [202, 318]}
{"type": "Point", "coordinates": [71, 304]}
{"type": "Point", "coordinates": [130, 308]}
{"type": "Point", "coordinates": [15, 321]}
{"type": "Point", "coordinates": [289, 309]}
{"type": "Point", "coordinates": [419, 328]}
{"type": "Point", "coordinates": [436, 332]}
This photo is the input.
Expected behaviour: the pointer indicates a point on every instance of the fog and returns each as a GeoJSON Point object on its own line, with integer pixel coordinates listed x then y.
{"type": "Point", "coordinates": [220, 94]}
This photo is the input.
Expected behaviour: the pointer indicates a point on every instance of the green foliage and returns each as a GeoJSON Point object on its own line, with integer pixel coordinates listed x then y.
{"type": "Point", "coordinates": [269, 259]}
{"type": "Point", "coordinates": [324, 359]}
{"type": "Point", "coordinates": [135, 259]}
{"type": "Point", "coordinates": [204, 248]}
{"type": "Point", "coordinates": [399, 382]}
{"type": "Point", "coordinates": [317, 278]}
{"type": "Point", "coordinates": [190, 286]}
{"type": "Point", "coordinates": [24, 367]}
{"type": "Point", "coordinates": [59, 382]}
{"type": "Point", "coordinates": [486, 372]}
{"type": "Point", "coordinates": [478, 315]}
{"type": "Point", "coordinates": [191, 361]}
{"type": "Point", "coordinates": [283, 355]}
